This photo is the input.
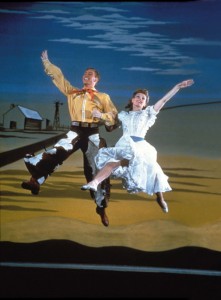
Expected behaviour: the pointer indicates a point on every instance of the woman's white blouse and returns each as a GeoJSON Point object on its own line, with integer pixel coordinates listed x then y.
{"type": "Point", "coordinates": [136, 123]}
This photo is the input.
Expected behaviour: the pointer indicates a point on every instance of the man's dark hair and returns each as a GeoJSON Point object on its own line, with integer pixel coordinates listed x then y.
{"type": "Point", "coordinates": [95, 71]}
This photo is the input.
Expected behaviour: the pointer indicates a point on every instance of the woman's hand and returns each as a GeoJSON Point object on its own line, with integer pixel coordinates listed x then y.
{"type": "Point", "coordinates": [96, 114]}
{"type": "Point", "coordinates": [185, 83]}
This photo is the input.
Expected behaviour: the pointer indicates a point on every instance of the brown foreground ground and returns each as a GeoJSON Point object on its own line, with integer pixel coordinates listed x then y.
{"type": "Point", "coordinates": [63, 211]}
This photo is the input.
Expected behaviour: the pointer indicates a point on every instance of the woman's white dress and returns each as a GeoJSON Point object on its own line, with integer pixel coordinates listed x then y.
{"type": "Point", "coordinates": [143, 174]}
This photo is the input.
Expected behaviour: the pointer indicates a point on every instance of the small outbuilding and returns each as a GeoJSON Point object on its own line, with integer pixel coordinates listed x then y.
{"type": "Point", "coordinates": [23, 118]}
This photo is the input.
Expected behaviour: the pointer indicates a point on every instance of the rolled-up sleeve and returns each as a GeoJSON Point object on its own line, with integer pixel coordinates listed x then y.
{"type": "Point", "coordinates": [109, 110]}
{"type": "Point", "coordinates": [57, 77]}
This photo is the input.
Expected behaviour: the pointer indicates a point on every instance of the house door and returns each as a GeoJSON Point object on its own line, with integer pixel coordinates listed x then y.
{"type": "Point", "coordinates": [13, 125]}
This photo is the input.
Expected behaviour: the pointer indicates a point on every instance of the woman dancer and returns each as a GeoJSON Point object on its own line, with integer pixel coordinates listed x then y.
{"type": "Point", "coordinates": [133, 159]}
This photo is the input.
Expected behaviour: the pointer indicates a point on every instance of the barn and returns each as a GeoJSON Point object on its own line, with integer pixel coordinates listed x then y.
{"type": "Point", "coordinates": [23, 118]}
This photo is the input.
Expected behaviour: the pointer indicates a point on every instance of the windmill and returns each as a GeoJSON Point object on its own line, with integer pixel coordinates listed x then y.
{"type": "Point", "coordinates": [56, 123]}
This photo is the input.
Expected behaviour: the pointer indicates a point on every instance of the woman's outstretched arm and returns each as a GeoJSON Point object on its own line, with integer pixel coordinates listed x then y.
{"type": "Point", "coordinates": [160, 103]}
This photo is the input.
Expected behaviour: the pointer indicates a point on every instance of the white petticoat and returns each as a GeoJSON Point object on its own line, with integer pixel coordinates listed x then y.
{"type": "Point", "coordinates": [143, 173]}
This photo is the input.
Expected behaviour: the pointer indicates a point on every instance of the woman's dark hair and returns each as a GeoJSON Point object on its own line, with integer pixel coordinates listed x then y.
{"type": "Point", "coordinates": [129, 105]}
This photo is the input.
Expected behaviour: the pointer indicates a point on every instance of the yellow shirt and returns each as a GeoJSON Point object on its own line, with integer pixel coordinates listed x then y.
{"type": "Point", "coordinates": [80, 105]}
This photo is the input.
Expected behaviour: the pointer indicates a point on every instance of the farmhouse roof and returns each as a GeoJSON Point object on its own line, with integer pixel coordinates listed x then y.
{"type": "Point", "coordinates": [29, 113]}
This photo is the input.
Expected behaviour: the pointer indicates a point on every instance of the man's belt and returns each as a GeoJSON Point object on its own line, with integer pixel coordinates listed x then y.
{"type": "Point", "coordinates": [84, 124]}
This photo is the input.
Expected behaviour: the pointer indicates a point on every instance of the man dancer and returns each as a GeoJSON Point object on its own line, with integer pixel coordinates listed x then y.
{"type": "Point", "coordinates": [88, 109]}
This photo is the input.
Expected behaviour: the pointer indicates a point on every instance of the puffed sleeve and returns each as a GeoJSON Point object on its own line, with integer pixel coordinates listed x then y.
{"type": "Point", "coordinates": [122, 115]}
{"type": "Point", "coordinates": [151, 115]}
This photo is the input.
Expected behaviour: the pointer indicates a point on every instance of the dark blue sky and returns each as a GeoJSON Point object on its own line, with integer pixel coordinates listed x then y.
{"type": "Point", "coordinates": [152, 45]}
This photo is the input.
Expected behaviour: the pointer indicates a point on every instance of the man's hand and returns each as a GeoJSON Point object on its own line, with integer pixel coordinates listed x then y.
{"type": "Point", "coordinates": [44, 55]}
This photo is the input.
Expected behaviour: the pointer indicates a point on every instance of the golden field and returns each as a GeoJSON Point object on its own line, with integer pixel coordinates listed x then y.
{"type": "Point", "coordinates": [63, 211]}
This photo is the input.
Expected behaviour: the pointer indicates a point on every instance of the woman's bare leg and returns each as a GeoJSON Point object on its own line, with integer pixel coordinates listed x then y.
{"type": "Point", "coordinates": [162, 203]}
{"type": "Point", "coordinates": [104, 173]}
